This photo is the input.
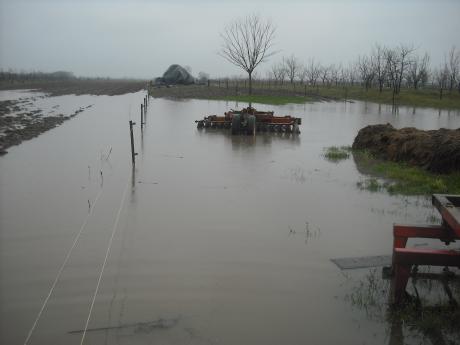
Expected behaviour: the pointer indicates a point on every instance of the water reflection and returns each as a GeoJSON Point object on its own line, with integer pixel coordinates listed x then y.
{"type": "Point", "coordinates": [247, 141]}
{"type": "Point", "coordinates": [209, 236]}
{"type": "Point", "coordinates": [133, 184]}
{"type": "Point", "coordinates": [430, 315]}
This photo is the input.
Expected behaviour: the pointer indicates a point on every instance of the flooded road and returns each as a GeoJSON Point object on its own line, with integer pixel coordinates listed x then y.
{"type": "Point", "coordinates": [211, 239]}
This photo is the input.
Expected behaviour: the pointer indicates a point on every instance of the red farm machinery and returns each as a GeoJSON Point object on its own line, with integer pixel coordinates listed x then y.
{"type": "Point", "coordinates": [249, 120]}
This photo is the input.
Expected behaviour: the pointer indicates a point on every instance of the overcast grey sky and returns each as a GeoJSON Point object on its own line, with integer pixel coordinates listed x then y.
{"type": "Point", "coordinates": [122, 38]}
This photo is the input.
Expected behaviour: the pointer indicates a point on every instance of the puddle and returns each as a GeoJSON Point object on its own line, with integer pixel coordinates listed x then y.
{"type": "Point", "coordinates": [234, 234]}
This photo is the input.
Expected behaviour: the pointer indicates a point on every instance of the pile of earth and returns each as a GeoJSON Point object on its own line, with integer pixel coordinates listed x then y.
{"type": "Point", "coordinates": [437, 151]}
{"type": "Point", "coordinates": [175, 75]}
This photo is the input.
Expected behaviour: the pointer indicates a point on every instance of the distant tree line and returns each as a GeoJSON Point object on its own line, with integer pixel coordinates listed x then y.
{"type": "Point", "coordinates": [384, 68]}
{"type": "Point", "coordinates": [14, 76]}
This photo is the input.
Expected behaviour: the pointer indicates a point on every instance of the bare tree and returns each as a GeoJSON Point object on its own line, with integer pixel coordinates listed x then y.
{"type": "Point", "coordinates": [279, 72]}
{"type": "Point", "coordinates": [324, 74]}
{"type": "Point", "coordinates": [366, 71]}
{"type": "Point", "coordinates": [454, 67]}
{"type": "Point", "coordinates": [302, 73]}
{"type": "Point", "coordinates": [343, 75]}
{"type": "Point", "coordinates": [292, 66]}
{"type": "Point", "coordinates": [398, 61]}
{"type": "Point", "coordinates": [441, 77]}
{"type": "Point", "coordinates": [403, 54]}
{"type": "Point", "coordinates": [352, 73]}
{"type": "Point", "coordinates": [418, 71]}
{"type": "Point", "coordinates": [313, 72]}
{"type": "Point", "coordinates": [380, 65]}
{"type": "Point", "coordinates": [334, 74]}
{"type": "Point", "coordinates": [247, 42]}
{"type": "Point", "coordinates": [203, 77]}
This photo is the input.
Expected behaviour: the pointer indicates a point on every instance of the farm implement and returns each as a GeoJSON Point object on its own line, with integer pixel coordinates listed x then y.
{"type": "Point", "coordinates": [249, 120]}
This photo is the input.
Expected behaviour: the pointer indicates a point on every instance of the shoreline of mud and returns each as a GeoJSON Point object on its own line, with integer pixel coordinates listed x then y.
{"type": "Point", "coordinates": [110, 87]}
{"type": "Point", "coordinates": [18, 124]}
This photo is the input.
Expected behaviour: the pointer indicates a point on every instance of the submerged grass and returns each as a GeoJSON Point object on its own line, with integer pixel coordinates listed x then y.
{"type": "Point", "coordinates": [336, 154]}
{"type": "Point", "coordinates": [418, 318]}
{"type": "Point", "coordinates": [401, 178]}
{"type": "Point", "coordinates": [395, 177]}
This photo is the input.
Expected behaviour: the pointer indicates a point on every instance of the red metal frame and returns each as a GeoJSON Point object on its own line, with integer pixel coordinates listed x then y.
{"type": "Point", "coordinates": [404, 258]}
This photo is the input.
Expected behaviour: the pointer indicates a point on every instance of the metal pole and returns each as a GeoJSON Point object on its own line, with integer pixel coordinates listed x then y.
{"type": "Point", "coordinates": [133, 154]}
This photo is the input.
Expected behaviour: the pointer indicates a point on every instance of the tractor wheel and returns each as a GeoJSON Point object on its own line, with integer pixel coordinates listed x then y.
{"type": "Point", "coordinates": [251, 126]}
{"type": "Point", "coordinates": [236, 124]}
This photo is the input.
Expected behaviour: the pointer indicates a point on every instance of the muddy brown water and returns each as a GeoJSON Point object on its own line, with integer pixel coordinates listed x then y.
{"type": "Point", "coordinates": [219, 239]}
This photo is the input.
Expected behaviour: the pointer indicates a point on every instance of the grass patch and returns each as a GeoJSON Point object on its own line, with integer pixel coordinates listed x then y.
{"type": "Point", "coordinates": [267, 99]}
{"type": "Point", "coordinates": [276, 94]}
{"type": "Point", "coordinates": [428, 97]}
{"type": "Point", "coordinates": [336, 154]}
{"type": "Point", "coordinates": [370, 184]}
{"type": "Point", "coordinates": [394, 177]}
{"type": "Point", "coordinates": [400, 178]}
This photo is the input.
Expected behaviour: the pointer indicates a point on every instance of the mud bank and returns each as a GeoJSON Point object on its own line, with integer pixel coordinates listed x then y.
{"type": "Point", "coordinates": [26, 125]}
{"type": "Point", "coordinates": [79, 86]}
{"type": "Point", "coordinates": [25, 115]}
{"type": "Point", "coordinates": [21, 120]}
{"type": "Point", "coordinates": [437, 151]}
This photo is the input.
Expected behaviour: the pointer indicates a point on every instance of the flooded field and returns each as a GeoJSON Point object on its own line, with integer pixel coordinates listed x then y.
{"type": "Point", "coordinates": [211, 239]}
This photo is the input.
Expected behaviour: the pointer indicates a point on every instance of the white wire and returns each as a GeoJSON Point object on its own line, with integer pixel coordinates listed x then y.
{"type": "Point", "coordinates": [115, 225]}
{"type": "Point", "coordinates": [61, 269]}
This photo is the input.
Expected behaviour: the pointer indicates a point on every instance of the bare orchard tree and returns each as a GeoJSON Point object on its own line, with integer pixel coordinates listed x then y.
{"type": "Point", "coordinates": [313, 72]}
{"type": "Point", "coordinates": [203, 77]}
{"type": "Point", "coordinates": [366, 70]}
{"type": "Point", "coordinates": [403, 54]}
{"type": "Point", "coordinates": [324, 74]}
{"type": "Point", "coordinates": [247, 42]}
{"type": "Point", "coordinates": [292, 66]}
{"type": "Point", "coordinates": [302, 73]}
{"type": "Point", "coordinates": [380, 65]}
{"type": "Point", "coordinates": [398, 61]}
{"type": "Point", "coordinates": [279, 72]}
{"type": "Point", "coordinates": [334, 74]}
{"type": "Point", "coordinates": [454, 67]}
{"type": "Point", "coordinates": [441, 78]}
{"type": "Point", "coordinates": [352, 73]}
{"type": "Point", "coordinates": [417, 73]}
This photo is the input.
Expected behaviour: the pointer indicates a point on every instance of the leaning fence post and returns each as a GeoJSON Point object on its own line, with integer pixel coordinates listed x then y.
{"type": "Point", "coordinates": [142, 116]}
{"type": "Point", "coordinates": [133, 154]}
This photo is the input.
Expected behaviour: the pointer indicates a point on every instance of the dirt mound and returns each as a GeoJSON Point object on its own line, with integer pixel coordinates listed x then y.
{"type": "Point", "coordinates": [436, 150]}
